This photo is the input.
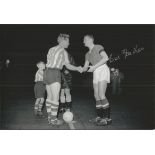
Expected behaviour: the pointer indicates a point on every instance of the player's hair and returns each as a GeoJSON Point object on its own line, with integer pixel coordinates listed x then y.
{"type": "Point", "coordinates": [90, 36]}
{"type": "Point", "coordinates": [40, 62]}
{"type": "Point", "coordinates": [62, 37]}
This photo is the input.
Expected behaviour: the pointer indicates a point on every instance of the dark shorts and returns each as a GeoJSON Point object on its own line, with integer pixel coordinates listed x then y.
{"type": "Point", "coordinates": [66, 81]}
{"type": "Point", "coordinates": [39, 89]}
{"type": "Point", "coordinates": [52, 75]}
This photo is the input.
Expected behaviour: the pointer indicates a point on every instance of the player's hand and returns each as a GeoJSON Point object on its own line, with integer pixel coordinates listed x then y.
{"type": "Point", "coordinates": [91, 69]}
{"type": "Point", "coordinates": [79, 69]}
{"type": "Point", "coordinates": [84, 69]}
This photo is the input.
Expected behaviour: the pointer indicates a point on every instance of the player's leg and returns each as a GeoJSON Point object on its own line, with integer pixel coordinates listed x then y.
{"type": "Point", "coordinates": [41, 91]}
{"type": "Point", "coordinates": [47, 80]}
{"type": "Point", "coordinates": [105, 103]}
{"type": "Point", "coordinates": [36, 106]}
{"type": "Point", "coordinates": [98, 103]}
{"type": "Point", "coordinates": [68, 99]}
{"type": "Point", "coordinates": [102, 86]}
{"type": "Point", "coordinates": [40, 113]}
{"type": "Point", "coordinates": [55, 88]}
{"type": "Point", "coordinates": [49, 102]}
{"type": "Point", "coordinates": [62, 100]}
{"type": "Point", "coordinates": [96, 95]}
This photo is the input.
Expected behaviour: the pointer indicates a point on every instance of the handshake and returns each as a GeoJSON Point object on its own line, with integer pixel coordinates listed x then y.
{"type": "Point", "coordinates": [82, 69]}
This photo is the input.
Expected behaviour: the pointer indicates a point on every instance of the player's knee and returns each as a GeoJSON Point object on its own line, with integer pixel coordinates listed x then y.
{"type": "Point", "coordinates": [42, 100]}
{"type": "Point", "coordinates": [67, 91]}
{"type": "Point", "coordinates": [56, 99]}
{"type": "Point", "coordinates": [49, 96]}
{"type": "Point", "coordinates": [38, 100]}
{"type": "Point", "coordinates": [96, 96]}
{"type": "Point", "coordinates": [62, 99]}
{"type": "Point", "coordinates": [62, 92]}
{"type": "Point", "coordinates": [102, 96]}
{"type": "Point", "coordinates": [68, 98]}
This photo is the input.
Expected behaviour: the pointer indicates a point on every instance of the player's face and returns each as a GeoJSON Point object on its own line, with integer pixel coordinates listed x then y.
{"type": "Point", "coordinates": [87, 41]}
{"type": "Point", "coordinates": [65, 43]}
{"type": "Point", "coordinates": [42, 66]}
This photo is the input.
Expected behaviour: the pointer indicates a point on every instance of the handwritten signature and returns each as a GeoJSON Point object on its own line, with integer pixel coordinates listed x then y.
{"type": "Point", "coordinates": [125, 53]}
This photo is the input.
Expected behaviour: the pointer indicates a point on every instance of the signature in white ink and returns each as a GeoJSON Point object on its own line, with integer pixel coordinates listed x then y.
{"type": "Point", "coordinates": [113, 59]}
{"type": "Point", "coordinates": [125, 53]}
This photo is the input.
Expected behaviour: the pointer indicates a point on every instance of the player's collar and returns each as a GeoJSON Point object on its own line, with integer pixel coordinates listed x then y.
{"type": "Point", "coordinates": [61, 46]}
{"type": "Point", "coordinates": [91, 48]}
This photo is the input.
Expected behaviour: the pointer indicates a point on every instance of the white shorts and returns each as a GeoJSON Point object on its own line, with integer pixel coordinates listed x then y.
{"type": "Point", "coordinates": [102, 73]}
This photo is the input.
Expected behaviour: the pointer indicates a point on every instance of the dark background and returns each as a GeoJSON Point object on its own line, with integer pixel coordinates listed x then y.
{"type": "Point", "coordinates": [25, 45]}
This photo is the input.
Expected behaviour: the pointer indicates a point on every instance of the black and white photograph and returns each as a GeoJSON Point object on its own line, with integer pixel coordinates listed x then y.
{"type": "Point", "coordinates": [76, 76]}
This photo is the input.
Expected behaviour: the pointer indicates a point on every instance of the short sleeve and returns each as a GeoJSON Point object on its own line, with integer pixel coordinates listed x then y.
{"type": "Point", "coordinates": [100, 48]}
{"type": "Point", "coordinates": [102, 52]}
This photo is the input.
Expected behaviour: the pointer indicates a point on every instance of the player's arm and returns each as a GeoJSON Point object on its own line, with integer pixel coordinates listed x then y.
{"type": "Point", "coordinates": [69, 66]}
{"type": "Point", "coordinates": [35, 80]}
{"type": "Point", "coordinates": [103, 60]}
{"type": "Point", "coordinates": [40, 74]}
{"type": "Point", "coordinates": [86, 65]}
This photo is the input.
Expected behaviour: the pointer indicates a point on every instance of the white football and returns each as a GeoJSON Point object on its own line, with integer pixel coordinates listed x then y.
{"type": "Point", "coordinates": [68, 116]}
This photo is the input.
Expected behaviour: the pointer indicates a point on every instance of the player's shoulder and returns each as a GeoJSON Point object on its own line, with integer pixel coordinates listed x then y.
{"type": "Point", "coordinates": [97, 46]}
{"type": "Point", "coordinates": [53, 48]}
{"type": "Point", "coordinates": [86, 55]}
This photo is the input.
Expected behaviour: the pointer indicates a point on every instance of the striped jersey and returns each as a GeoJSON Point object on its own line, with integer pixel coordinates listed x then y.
{"type": "Point", "coordinates": [56, 57]}
{"type": "Point", "coordinates": [39, 75]}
